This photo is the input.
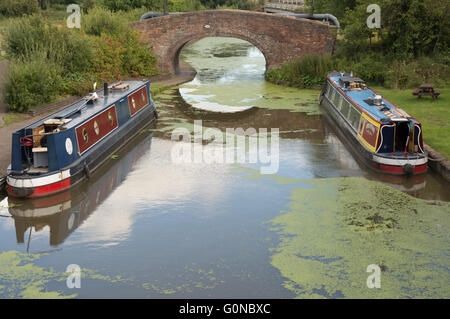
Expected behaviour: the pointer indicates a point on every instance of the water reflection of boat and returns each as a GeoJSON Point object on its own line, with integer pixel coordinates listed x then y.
{"type": "Point", "coordinates": [65, 211]}
{"type": "Point", "coordinates": [410, 185]}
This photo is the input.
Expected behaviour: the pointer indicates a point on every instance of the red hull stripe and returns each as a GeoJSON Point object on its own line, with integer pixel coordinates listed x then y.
{"type": "Point", "coordinates": [44, 190]}
{"type": "Point", "coordinates": [398, 170]}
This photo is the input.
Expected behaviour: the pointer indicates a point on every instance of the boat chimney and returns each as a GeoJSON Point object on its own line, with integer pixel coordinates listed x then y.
{"type": "Point", "coordinates": [105, 89]}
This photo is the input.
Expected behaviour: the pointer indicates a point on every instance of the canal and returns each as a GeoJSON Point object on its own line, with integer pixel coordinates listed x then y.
{"type": "Point", "coordinates": [148, 226]}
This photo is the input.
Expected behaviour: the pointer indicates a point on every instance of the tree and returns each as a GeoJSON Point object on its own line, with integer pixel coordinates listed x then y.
{"type": "Point", "coordinates": [409, 28]}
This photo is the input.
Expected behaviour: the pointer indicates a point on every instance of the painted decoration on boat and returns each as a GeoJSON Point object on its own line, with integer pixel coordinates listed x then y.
{"type": "Point", "coordinates": [368, 131]}
{"type": "Point", "coordinates": [94, 130]}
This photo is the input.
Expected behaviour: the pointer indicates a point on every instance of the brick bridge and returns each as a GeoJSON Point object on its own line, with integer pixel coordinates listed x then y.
{"type": "Point", "coordinates": [279, 38]}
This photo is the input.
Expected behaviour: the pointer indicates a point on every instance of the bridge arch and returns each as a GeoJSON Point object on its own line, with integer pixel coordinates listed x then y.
{"type": "Point", "coordinates": [279, 38]}
{"type": "Point", "coordinates": [176, 49]}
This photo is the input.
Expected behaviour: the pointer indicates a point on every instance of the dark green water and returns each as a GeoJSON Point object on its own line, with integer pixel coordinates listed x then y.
{"type": "Point", "coordinates": [144, 227]}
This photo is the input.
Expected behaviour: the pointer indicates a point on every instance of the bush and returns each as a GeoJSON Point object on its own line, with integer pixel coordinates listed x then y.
{"type": "Point", "coordinates": [87, 5]}
{"type": "Point", "coordinates": [48, 60]}
{"type": "Point", "coordinates": [29, 36]}
{"type": "Point", "coordinates": [108, 64]}
{"type": "Point", "coordinates": [31, 83]}
{"type": "Point", "coordinates": [370, 70]}
{"type": "Point", "coordinates": [184, 5]}
{"type": "Point", "coordinates": [14, 8]}
{"type": "Point", "coordinates": [78, 83]}
{"type": "Point", "coordinates": [100, 20]}
{"type": "Point", "coordinates": [311, 70]}
{"type": "Point", "coordinates": [235, 4]}
{"type": "Point", "coordinates": [124, 5]}
{"type": "Point", "coordinates": [137, 58]}
{"type": "Point", "coordinates": [410, 75]}
{"type": "Point", "coordinates": [123, 56]}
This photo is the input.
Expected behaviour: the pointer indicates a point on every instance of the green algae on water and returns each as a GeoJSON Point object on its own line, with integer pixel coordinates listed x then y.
{"type": "Point", "coordinates": [331, 232]}
{"type": "Point", "coordinates": [190, 278]}
{"type": "Point", "coordinates": [20, 278]}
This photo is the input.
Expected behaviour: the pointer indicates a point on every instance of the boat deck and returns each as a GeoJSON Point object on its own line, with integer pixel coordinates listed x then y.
{"type": "Point", "coordinates": [80, 110]}
{"type": "Point", "coordinates": [359, 97]}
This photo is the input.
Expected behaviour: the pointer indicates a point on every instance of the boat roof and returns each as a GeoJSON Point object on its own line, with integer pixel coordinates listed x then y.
{"type": "Point", "coordinates": [386, 112]}
{"type": "Point", "coordinates": [81, 110]}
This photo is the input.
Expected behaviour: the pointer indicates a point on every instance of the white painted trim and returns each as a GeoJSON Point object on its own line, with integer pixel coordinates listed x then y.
{"type": "Point", "coordinates": [399, 161]}
{"type": "Point", "coordinates": [381, 134]}
{"type": "Point", "coordinates": [38, 181]}
{"type": "Point", "coordinates": [418, 137]}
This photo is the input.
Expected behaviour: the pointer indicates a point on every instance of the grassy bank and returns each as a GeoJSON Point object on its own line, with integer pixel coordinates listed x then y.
{"type": "Point", "coordinates": [48, 60]}
{"type": "Point", "coordinates": [13, 117]}
{"type": "Point", "coordinates": [434, 115]}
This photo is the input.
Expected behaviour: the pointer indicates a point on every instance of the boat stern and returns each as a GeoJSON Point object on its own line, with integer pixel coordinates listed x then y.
{"type": "Point", "coordinates": [411, 164]}
{"type": "Point", "coordinates": [26, 186]}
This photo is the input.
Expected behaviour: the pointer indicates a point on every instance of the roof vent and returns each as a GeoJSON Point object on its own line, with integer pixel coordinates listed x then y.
{"type": "Point", "coordinates": [377, 100]}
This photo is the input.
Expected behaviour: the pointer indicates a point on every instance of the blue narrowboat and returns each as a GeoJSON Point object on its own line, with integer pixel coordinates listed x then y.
{"type": "Point", "coordinates": [61, 149]}
{"type": "Point", "coordinates": [381, 135]}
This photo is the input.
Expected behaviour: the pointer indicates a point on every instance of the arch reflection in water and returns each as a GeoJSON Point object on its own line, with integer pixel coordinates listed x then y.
{"type": "Point", "coordinates": [66, 211]}
{"type": "Point", "coordinates": [230, 75]}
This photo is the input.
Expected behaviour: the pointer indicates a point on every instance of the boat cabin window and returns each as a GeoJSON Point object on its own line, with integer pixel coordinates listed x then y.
{"type": "Point", "coordinates": [336, 97]}
{"type": "Point", "coordinates": [354, 117]}
{"type": "Point", "coordinates": [332, 94]}
{"type": "Point", "coordinates": [327, 93]}
{"type": "Point", "coordinates": [85, 135]}
{"type": "Point", "coordinates": [110, 118]}
{"type": "Point", "coordinates": [96, 128]}
{"type": "Point", "coordinates": [345, 108]}
{"type": "Point", "coordinates": [339, 104]}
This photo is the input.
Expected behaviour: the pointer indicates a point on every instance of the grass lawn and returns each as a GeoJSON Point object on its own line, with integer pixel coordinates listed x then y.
{"type": "Point", "coordinates": [434, 115]}
{"type": "Point", "coordinates": [12, 117]}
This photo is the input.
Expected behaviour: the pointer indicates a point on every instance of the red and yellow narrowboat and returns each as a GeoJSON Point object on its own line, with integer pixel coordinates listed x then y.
{"type": "Point", "coordinates": [382, 135]}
